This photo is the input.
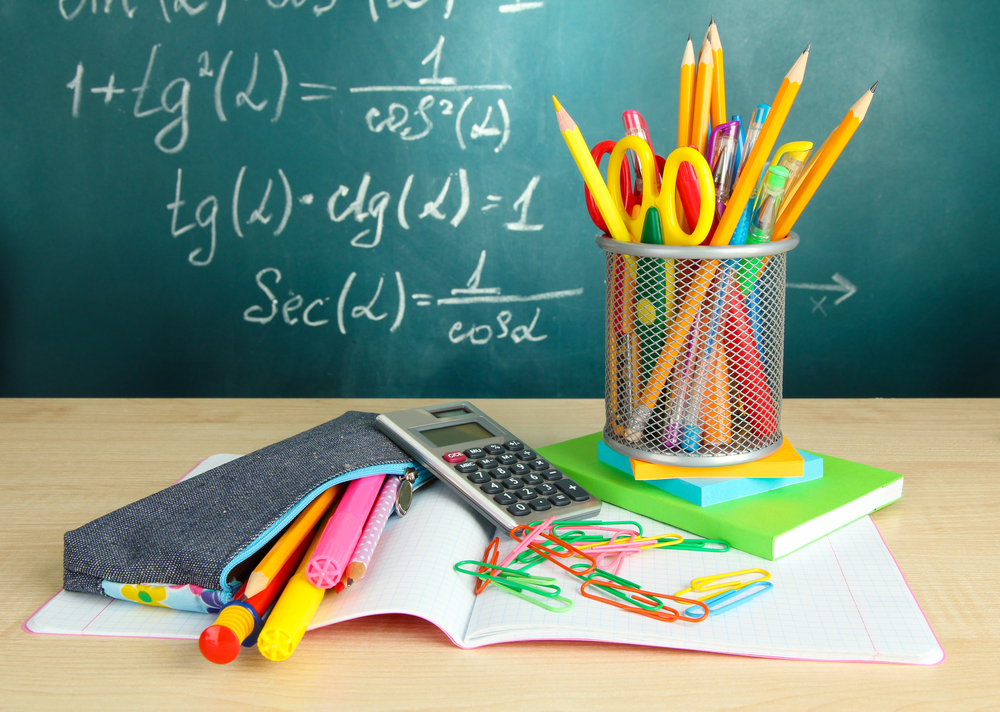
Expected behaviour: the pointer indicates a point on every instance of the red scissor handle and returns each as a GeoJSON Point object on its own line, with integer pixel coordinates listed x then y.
{"type": "Point", "coordinates": [597, 152]}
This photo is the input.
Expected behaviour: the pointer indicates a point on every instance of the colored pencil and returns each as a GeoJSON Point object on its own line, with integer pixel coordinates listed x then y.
{"type": "Point", "coordinates": [782, 104]}
{"type": "Point", "coordinates": [297, 531]}
{"type": "Point", "coordinates": [702, 99]}
{"type": "Point", "coordinates": [816, 171]}
{"type": "Point", "coordinates": [685, 110]}
{"type": "Point", "coordinates": [719, 115]}
{"type": "Point", "coordinates": [591, 175]}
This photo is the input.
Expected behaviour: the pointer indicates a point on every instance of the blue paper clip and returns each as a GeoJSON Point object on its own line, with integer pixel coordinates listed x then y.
{"type": "Point", "coordinates": [739, 596]}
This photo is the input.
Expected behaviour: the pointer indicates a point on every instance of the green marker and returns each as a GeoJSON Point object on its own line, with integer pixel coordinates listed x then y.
{"type": "Point", "coordinates": [651, 284]}
{"type": "Point", "coordinates": [762, 219]}
{"type": "Point", "coordinates": [652, 233]}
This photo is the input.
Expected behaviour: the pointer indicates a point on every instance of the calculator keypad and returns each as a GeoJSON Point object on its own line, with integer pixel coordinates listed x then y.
{"type": "Point", "coordinates": [517, 478]}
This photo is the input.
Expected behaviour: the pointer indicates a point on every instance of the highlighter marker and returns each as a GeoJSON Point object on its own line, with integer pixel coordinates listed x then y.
{"type": "Point", "coordinates": [294, 610]}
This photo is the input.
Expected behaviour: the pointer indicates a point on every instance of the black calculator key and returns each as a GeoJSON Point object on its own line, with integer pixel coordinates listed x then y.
{"type": "Point", "coordinates": [573, 490]}
{"type": "Point", "coordinates": [560, 500]}
{"type": "Point", "coordinates": [545, 489]}
{"type": "Point", "coordinates": [512, 483]}
{"type": "Point", "coordinates": [519, 509]}
{"type": "Point", "coordinates": [505, 498]}
{"type": "Point", "coordinates": [494, 449]}
{"type": "Point", "coordinates": [500, 473]}
{"type": "Point", "coordinates": [525, 493]}
{"type": "Point", "coordinates": [539, 504]}
{"type": "Point", "coordinates": [466, 467]}
{"type": "Point", "coordinates": [474, 453]}
{"type": "Point", "coordinates": [527, 455]}
{"type": "Point", "coordinates": [531, 479]}
{"type": "Point", "coordinates": [552, 474]}
{"type": "Point", "coordinates": [492, 488]}
{"type": "Point", "coordinates": [487, 463]}
{"type": "Point", "coordinates": [514, 445]}
{"type": "Point", "coordinates": [479, 477]}
{"type": "Point", "coordinates": [539, 464]}
{"type": "Point", "coordinates": [519, 468]}
{"type": "Point", "coordinates": [508, 458]}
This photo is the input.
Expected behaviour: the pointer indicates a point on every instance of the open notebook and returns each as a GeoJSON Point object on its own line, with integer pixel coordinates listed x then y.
{"type": "Point", "coordinates": [840, 598]}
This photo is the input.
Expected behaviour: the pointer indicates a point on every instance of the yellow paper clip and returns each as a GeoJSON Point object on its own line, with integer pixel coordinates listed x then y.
{"type": "Point", "coordinates": [714, 584]}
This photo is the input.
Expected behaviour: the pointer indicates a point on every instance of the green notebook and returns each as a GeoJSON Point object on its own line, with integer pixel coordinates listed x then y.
{"type": "Point", "coordinates": [770, 525]}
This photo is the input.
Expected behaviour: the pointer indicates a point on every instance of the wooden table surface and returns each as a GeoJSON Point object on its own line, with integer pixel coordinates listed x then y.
{"type": "Point", "coordinates": [66, 462]}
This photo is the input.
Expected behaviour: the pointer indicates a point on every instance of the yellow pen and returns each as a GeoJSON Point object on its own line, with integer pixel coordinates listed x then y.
{"type": "Point", "coordinates": [294, 610]}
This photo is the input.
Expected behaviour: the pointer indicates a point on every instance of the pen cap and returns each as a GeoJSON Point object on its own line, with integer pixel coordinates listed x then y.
{"type": "Point", "coordinates": [793, 156]}
{"type": "Point", "coordinates": [765, 211]}
{"type": "Point", "coordinates": [760, 114]}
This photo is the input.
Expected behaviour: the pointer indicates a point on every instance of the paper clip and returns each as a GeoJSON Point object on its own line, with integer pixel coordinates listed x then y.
{"type": "Point", "coordinates": [592, 524]}
{"type": "Point", "coordinates": [712, 584]}
{"type": "Point", "coordinates": [741, 594]}
{"type": "Point", "coordinates": [565, 550]}
{"type": "Point", "coordinates": [707, 545]}
{"type": "Point", "coordinates": [490, 556]}
{"type": "Point", "coordinates": [654, 603]}
{"type": "Point", "coordinates": [517, 582]}
{"type": "Point", "coordinates": [666, 613]}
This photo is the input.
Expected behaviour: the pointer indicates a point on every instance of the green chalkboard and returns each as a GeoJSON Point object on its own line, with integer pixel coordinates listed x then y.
{"type": "Point", "coordinates": [372, 198]}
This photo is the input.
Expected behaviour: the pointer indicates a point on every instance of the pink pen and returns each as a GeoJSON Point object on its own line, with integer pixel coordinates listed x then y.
{"type": "Point", "coordinates": [635, 125]}
{"type": "Point", "coordinates": [337, 543]}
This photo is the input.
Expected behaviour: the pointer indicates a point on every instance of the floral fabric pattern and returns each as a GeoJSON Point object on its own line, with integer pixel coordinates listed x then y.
{"type": "Point", "coordinates": [182, 598]}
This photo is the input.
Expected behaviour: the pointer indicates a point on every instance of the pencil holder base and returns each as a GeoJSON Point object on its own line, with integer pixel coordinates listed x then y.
{"type": "Point", "coordinates": [694, 351]}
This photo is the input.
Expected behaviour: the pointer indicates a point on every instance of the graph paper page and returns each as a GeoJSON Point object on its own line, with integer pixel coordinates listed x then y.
{"type": "Point", "coordinates": [840, 598]}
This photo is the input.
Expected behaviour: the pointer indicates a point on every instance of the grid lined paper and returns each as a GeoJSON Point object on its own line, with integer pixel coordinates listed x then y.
{"type": "Point", "coordinates": [840, 598]}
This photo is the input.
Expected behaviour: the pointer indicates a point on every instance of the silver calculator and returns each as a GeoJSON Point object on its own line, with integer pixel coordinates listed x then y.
{"type": "Point", "coordinates": [487, 464]}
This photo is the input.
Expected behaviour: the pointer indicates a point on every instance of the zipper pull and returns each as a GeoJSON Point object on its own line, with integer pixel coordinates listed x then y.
{"type": "Point", "coordinates": [404, 493]}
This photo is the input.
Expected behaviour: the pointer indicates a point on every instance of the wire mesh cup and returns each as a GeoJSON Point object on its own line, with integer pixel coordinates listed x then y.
{"type": "Point", "coordinates": [694, 341]}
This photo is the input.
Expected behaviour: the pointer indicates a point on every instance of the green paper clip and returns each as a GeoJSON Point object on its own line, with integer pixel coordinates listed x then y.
{"type": "Point", "coordinates": [705, 545]}
{"type": "Point", "coordinates": [516, 582]}
{"type": "Point", "coordinates": [655, 603]}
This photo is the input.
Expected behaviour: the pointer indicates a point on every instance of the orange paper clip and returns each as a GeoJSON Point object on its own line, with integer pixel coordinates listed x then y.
{"type": "Point", "coordinates": [665, 613]}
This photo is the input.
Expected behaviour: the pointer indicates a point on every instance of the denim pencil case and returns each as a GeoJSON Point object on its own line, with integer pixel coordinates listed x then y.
{"type": "Point", "coordinates": [191, 545]}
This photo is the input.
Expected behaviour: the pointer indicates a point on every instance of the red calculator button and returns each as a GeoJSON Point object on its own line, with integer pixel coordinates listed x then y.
{"type": "Point", "coordinates": [454, 457]}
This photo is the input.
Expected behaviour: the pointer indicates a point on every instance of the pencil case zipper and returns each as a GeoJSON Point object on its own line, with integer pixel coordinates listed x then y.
{"type": "Point", "coordinates": [394, 469]}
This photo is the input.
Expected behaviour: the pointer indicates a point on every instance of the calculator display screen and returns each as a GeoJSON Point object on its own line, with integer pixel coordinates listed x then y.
{"type": "Point", "coordinates": [455, 434]}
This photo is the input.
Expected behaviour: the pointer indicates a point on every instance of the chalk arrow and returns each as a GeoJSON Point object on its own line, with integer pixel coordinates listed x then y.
{"type": "Point", "coordinates": [842, 284]}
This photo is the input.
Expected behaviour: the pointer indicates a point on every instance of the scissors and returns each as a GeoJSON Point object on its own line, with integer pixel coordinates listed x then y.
{"type": "Point", "coordinates": [663, 198]}
{"type": "Point", "coordinates": [631, 196]}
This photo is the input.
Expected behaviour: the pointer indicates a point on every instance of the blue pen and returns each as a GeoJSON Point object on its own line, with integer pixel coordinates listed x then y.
{"type": "Point", "coordinates": [739, 143]}
{"type": "Point", "coordinates": [756, 124]}
{"type": "Point", "coordinates": [742, 228]}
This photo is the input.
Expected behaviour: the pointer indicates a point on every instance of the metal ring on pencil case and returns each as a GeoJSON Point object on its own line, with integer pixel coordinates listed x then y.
{"type": "Point", "coordinates": [689, 461]}
{"type": "Point", "coordinates": [698, 252]}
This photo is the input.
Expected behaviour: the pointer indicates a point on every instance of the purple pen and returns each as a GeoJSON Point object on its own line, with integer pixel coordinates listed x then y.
{"type": "Point", "coordinates": [722, 145]}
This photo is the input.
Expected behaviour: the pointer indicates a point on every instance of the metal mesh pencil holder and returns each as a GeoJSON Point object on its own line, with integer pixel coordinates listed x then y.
{"type": "Point", "coordinates": [694, 340]}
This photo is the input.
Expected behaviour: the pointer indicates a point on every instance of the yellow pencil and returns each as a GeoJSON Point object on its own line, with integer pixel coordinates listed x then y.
{"type": "Point", "coordinates": [819, 167]}
{"type": "Point", "coordinates": [289, 541]}
{"type": "Point", "coordinates": [718, 77]}
{"type": "Point", "coordinates": [591, 175]}
{"type": "Point", "coordinates": [702, 99]}
{"type": "Point", "coordinates": [686, 103]}
{"type": "Point", "coordinates": [783, 101]}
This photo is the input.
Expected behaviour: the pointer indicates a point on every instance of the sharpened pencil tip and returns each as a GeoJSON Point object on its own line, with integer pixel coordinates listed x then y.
{"type": "Point", "coordinates": [556, 103]}
{"type": "Point", "coordinates": [713, 20]}
{"type": "Point", "coordinates": [689, 36]}
{"type": "Point", "coordinates": [807, 48]}
{"type": "Point", "coordinates": [872, 90]}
